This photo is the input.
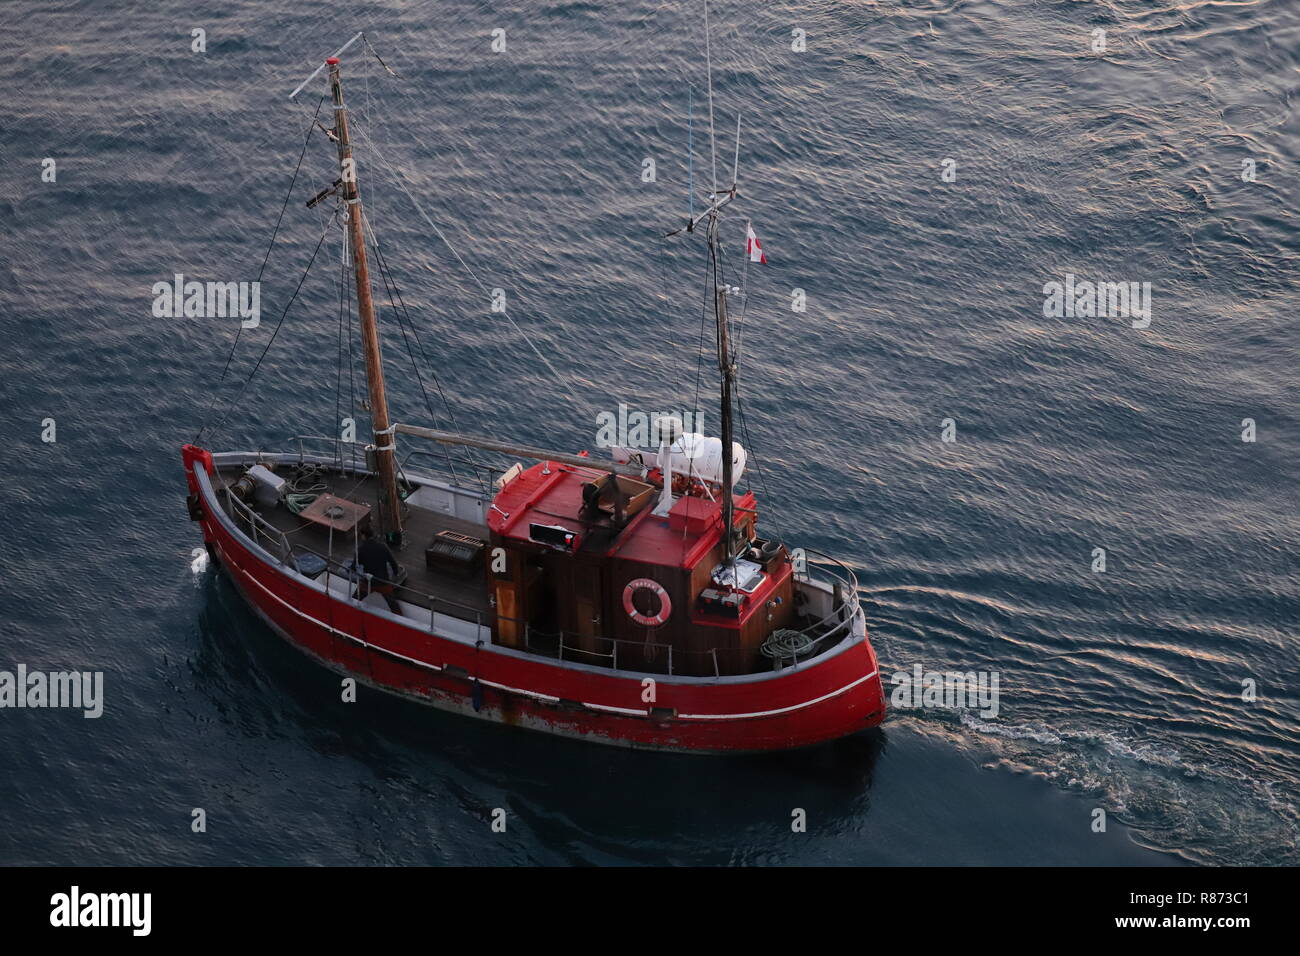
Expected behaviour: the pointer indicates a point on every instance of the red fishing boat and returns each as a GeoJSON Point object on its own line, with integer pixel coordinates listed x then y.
{"type": "Point", "coordinates": [628, 600]}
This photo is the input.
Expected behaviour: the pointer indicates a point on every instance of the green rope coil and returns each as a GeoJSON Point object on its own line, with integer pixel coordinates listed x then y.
{"type": "Point", "coordinates": [784, 644]}
{"type": "Point", "coordinates": [296, 501]}
{"type": "Point", "coordinates": [301, 494]}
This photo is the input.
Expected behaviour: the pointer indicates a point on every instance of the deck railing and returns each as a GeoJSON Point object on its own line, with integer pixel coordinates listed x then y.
{"type": "Point", "coordinates": [649, 657]}
{"type": "Point", "coordinates": [350, 456]}
{"type": "Point", "coordinates": [440, 459]}
{"type": "Point", "coordinates": [845, 606]}
{"type": "Point", "coordinates": [278, 545]}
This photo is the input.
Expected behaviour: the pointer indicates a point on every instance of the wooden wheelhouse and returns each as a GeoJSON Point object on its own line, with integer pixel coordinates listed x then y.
{"type": "Point", "coordinates": [576, 553]}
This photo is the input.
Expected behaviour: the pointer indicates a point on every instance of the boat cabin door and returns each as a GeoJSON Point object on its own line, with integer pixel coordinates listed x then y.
{"type": "Point", "coordinates": [586, 623]}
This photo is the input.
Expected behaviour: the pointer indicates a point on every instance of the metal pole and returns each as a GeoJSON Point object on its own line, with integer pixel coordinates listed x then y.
{"type": "Point", "coordinates": [390, 504]}
{"type": "Point", "coordinates": [521, 451]}
{"type": "Point", "coordinates": [728, 370]}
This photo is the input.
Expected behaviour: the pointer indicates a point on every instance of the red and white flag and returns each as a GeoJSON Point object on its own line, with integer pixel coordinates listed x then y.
{"type": "Point", "coordinates": [753, 248]}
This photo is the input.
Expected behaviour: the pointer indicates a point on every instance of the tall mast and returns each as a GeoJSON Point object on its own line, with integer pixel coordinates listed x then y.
{"type": "Point", "coordinates": [727, 368]}
{"type": "Point", "coordinates": [390, 504]}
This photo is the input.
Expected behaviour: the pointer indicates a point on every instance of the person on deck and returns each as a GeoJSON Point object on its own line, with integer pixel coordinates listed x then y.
{"type": "Point", "coordinates": [375, 560]}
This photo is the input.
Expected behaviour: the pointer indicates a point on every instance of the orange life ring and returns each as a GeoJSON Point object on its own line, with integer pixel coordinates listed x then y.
{"type": "Point", "coordinates": [645, 584]}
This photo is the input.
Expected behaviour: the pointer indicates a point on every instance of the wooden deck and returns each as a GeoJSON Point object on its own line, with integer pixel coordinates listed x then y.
{"type": "Point", "coordinates": [446, 591]}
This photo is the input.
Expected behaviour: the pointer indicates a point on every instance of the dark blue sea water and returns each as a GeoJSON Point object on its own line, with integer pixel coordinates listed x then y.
{"type": "Point", "coordinates": [1120, 690]}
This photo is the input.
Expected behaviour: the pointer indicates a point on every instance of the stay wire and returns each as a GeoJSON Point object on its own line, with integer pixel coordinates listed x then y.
{"type": "Point", "coordinates": [352, 324]}
{"type": "Point", "coordinates": [341, 281]}
{"type": "Point", "coordinates": [311, 128]}
{"type": "Point", "coordinates": [397, 178]}
{"type": "Point", "coordinates": [710, 270]}
{"type": "Point", "coordinates": [276, 331]}
{"type": "Point", "coordinates": [403, 312]}
{"type": "Point", "coordinates": [740, 404]}
{"type": "Point", "coordinates": [404, 319]}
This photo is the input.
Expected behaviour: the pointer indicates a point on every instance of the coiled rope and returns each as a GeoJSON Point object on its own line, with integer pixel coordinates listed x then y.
{"type": "Point", "coordinates": [305, 487]}
{"type": "Point", "coordinates": [785, 644]}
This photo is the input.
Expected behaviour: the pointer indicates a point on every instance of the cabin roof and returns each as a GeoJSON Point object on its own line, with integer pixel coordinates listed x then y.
{"type": "Point", "coordinates": [550, 494]}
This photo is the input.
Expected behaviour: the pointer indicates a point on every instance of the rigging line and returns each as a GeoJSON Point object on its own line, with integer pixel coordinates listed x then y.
{"type": "Point", "coordinates": [390, 285]}
{"type": "Point", "coordinates": [347, 308]}
{"type": "Point", "coordinates": [662, 258]}
{"type": "Point", "coordinates": [699, 349]}
{"type": "Point", "coordinates": [278, 324]}
{"type": "Point", "coordinates": [744, 306]}
{"type": "Point", "coordinates": [740, 406]}
{"type": "Point", "coordinates": [483, 288]}
{"type": "Point", "coordinates": [663, 276]}
{"type": "Point", "coordinates": [366, 40]}
{"type": "Point", "coordinates": [758, 464]}
{"type": "Point", "coordinates": [710, 290]}
{"type": "Point", "coordinates": [311, 128]}
{"type": "Point", "coordinates": [266, 258]}
{"type": "Point", "coordinates": [415, 367]}
{"type": "Point", "coordinates": [403, 311]}
{"type": "Point", "coordinates": [710, 293]}
{"type": "Point", "coordinates": [341, 281]}
{"type": "Point", "coordinates": [437, 382]}
{"type": "Point", "coordinates": [663, 272]}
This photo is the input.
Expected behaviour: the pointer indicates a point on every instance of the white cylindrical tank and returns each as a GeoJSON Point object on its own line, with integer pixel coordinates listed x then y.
{"type": "Point", "coordinates": [701, 457]}
{"type": "Point", "coordinates": [666, 428]}
{"type": "Point", "coordinates": [691, 454]}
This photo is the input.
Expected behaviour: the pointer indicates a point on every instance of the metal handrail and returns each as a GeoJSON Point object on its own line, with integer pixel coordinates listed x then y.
{"type": "Point", "coordinates": [353, 459]}
{"type": "Point", "coordinates": [671, 654]}
{"type": "Point", "coordinates": [441, 459]}
{"type": "Point", "coordinates": [629, 649]}
{"type": "Point", "coordinates": [254, 519]}
{"type": "Point", "coordinates": [289, 548]}
{"type": "Point", "coordinates": [839, 619]}
{"type": "Point", "coordinates": [357, 460]}
{"type": "Point", "coordinates": [615, 643]}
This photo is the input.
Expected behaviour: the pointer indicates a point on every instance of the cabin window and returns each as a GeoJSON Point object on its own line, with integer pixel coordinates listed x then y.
{"type": "Point", "coordinates": [553, 536]}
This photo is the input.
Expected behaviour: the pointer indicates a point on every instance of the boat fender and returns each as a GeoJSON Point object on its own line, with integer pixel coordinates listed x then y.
{"type": "Point", "coordinates": [476, 696]}
{"type": "Point", "coordinates": [196, 508]}
{"type": "Point", "coordinates": [646, 584]}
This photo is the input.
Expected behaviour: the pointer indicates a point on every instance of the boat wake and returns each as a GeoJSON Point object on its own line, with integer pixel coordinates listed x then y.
{"type": "Point", "coordinates": [1205, 812]}
{"type": "Point", "coordinates": [1133, 708]}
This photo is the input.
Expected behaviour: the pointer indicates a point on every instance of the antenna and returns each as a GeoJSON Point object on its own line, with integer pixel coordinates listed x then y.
{"type": "Point", "coordinates": [690, 151]}
{"type": "Point", "coordinates": [716, 199]}
{"type": "Point", "coordinates": [708, 57]}
{"type": "Point", "coordinates": [735, 168]}
{"type": "Point", "coordinates": [333, 56]}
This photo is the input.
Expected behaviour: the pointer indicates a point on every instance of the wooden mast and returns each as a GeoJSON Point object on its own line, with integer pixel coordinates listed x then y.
{"type": "Point", "coordinates": [390, 504]}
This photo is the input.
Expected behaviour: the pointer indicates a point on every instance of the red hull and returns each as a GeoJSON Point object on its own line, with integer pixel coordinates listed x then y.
{"type": "Point", "coordinates": [836, 694]}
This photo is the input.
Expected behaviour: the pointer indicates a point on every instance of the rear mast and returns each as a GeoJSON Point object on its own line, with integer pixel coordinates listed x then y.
{"type": "Point", "coordinates": [717, 199]}
{"type": "Point", "coordinates": [727, 370]}
{"type": "Point", "coordinates": [390, 503]}
{"type": "Point", "coordinates": [726, 363]}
